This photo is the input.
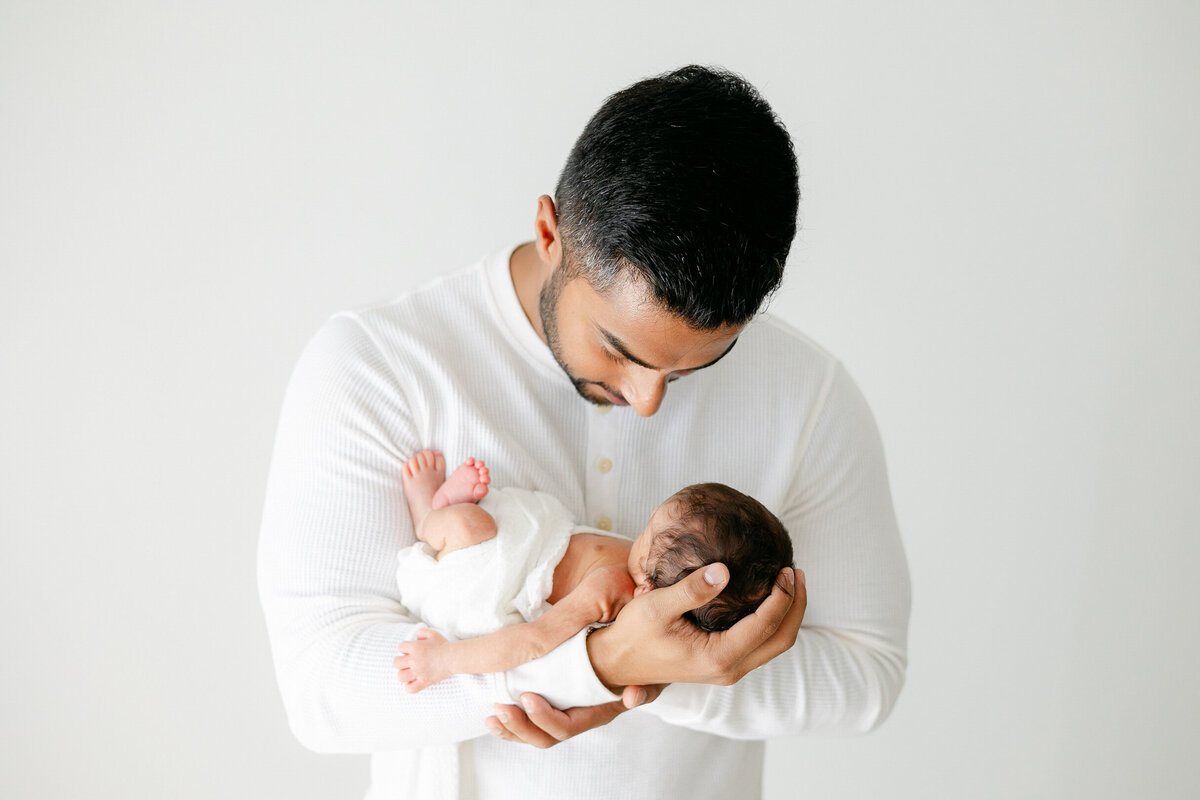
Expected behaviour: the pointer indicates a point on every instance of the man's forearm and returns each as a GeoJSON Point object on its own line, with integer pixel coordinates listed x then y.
{"type": "Point", "coordinates": [826, 684]}
{"type": "Point", "coordinates": [332, 522]}
{"type": "Point", "coordinates": [342, 696]}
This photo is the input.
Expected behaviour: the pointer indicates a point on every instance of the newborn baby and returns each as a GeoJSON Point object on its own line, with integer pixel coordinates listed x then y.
{"type": "Point", "coordinates": [510, 568]}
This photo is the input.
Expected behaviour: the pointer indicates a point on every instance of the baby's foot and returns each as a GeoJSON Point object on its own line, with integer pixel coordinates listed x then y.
{"type": "Point", "coordinates": [467, 484]}
{"type": "Point", "coordinates": [423, 474]}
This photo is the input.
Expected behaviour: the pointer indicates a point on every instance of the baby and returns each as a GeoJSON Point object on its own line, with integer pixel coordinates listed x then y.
{"type": "Point", "coordinates": [510, 576]}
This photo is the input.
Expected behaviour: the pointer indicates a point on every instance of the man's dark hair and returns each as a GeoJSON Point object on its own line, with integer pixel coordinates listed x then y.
{"type": "Point", "coordinates": [713, 522]}
{"type": "Point", "coordinates": [687, 180]}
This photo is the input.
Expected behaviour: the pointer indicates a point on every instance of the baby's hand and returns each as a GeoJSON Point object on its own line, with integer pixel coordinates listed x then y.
{"type": "Point", "coordinates": [607, 589]}
{"type": "Point", "coordinates": [422, 662]}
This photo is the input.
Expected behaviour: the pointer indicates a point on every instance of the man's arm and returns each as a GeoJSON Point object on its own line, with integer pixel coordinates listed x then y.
{"type": "Point", "coordinates": [333, 521]}
{"type": "Point", "coordinates": [686, 652]}
{"type": "Point", "coordinates": [847, 666]}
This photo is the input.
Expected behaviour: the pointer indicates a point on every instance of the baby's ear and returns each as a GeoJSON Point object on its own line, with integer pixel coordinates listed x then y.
{"type": "Point", "coordinates": [642, 589]}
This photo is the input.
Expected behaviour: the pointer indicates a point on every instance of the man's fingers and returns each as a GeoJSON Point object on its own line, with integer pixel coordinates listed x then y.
{"type": "Point", "coordinates": [785, 635]}
{"type": "Point", "coordinates": [496, 728]}
{"type": "Point", "coordinates": [634, 696]}
{"type": "Point", "coordinates": [801, 588]}
{"type": "Point", "coordinates": [753, 630]}
{"type": "Point", "coordinates": [515, 726]}
{"type": "Point", "coordinates": [542, 725]}
{"type": "Point", "coordinates": [692, 592]}
{"type": "Point", "coordinates": [545, 716]}
{"type": "Point", "coordinates": [565, 724]}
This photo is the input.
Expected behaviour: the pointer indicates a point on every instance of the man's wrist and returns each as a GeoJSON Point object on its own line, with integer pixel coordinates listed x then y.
{"type": "Point", "coordinates": [600, 652]}
{"type": "Point", "coordinates": [564, 677]}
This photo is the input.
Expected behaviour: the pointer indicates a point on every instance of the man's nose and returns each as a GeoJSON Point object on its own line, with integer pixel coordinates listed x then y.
{"type": "Point", "coordinates": [644, 391]}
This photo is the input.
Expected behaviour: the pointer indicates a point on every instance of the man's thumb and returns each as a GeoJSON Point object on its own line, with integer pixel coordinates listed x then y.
{"type": "Point", "coordinates": [696, 589]}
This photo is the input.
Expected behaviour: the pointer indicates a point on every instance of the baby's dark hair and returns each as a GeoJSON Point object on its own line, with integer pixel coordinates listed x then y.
{"type": "Point", "coordinates": [713, 522]}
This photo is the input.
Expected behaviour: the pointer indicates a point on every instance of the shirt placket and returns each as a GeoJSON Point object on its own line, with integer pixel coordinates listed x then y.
{"type": "Point", "coordinates": [603, 469]}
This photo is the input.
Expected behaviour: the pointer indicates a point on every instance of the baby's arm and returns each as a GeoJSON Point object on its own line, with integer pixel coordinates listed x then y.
{"type": "Point", "coordinates": [430, 658]}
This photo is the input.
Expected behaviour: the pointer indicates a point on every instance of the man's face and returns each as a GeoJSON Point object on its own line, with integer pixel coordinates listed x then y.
{"type": "Point", "coordinates": [621, 347]}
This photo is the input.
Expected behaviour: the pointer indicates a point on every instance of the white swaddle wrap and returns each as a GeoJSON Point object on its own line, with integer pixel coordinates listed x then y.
{"type": "Point", "coordinates": [503, 581]}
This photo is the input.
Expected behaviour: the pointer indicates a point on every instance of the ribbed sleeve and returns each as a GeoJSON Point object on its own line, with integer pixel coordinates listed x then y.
{"type": "Point", "coordinates": [333, 521]}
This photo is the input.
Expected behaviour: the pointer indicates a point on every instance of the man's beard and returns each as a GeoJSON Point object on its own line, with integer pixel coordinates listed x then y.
{"type": "Point", "coordinates": [548, 311]}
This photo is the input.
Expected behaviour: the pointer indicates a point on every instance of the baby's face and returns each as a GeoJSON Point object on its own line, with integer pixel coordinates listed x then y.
{"type": "Point", "coordinates": [639, 553]}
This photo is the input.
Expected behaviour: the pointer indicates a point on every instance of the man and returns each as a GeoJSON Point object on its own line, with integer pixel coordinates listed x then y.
{"type": "Point", "coordinates": [671, 224]}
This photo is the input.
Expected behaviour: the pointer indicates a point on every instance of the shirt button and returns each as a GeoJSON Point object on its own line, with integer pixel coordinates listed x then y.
{"type": "Point", "coordinates": [604, 465]}
{"type": "Point", "coordinates": [603, 409]}
{"type": "Point", "coordinates": [604, 524]}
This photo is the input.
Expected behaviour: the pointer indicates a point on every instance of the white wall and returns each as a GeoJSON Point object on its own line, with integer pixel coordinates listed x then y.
{"type": "Point", "coordinates": [999, 239]}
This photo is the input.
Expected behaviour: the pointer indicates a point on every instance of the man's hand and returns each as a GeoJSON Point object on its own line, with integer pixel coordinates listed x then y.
{"type": "Point", "coordinates": [649, 637]}
{"type": "Point", "coordinates": [542, 725]}
{"type": "Point", "coordinates": [651, 643]}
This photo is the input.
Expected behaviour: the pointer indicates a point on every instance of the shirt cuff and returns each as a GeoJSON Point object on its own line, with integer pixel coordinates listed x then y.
{"type": "Point", "coordinates": [564, 676]}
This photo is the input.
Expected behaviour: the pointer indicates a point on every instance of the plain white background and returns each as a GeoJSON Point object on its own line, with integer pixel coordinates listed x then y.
{"type": "Point", "coordinates": [999, 239]}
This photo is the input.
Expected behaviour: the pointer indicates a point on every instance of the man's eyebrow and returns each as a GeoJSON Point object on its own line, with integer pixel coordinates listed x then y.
{"type": "Point", "coordinates": [620, 347]}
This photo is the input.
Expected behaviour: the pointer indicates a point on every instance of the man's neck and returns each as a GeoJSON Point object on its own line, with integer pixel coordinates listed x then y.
{"type": "Point", "coordinates": [529, 274]}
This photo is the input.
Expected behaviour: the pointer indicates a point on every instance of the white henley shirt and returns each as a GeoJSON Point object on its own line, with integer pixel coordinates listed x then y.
{"type": "Point", "coordinates": [456, 366]}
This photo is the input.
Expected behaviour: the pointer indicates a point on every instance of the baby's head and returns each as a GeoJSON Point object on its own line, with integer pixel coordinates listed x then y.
{"type": "Point", "coordinates": [709, 522]}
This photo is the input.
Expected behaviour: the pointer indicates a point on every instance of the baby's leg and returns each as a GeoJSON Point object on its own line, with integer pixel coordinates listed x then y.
{"type": "Point", "coordinates": [454, 527]}
{"type": "Point", "coordinates": [443, 511]}
{"type": "Point", "coordinates": [426, 487]}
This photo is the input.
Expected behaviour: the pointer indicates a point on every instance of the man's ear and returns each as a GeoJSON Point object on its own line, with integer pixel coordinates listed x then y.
{"type": "Point", "coordinates": [545, 231]}
{"type": "Point", "coordinates": [642, 589]}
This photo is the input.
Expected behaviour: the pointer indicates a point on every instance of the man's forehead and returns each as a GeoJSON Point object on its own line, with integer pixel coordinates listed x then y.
{"type": "Point", "coordinates": [630, 300]}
